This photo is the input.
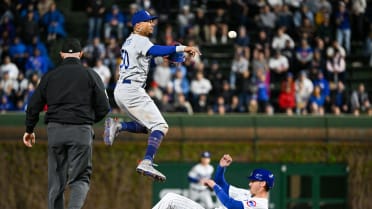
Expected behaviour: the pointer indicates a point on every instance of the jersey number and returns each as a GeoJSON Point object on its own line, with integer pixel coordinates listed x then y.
{"type": "Point", "coordinates": [125, 58]}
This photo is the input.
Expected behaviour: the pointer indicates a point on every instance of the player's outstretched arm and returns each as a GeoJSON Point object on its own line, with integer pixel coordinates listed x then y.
{"type": "Point", "coordinates": [219, 176]}
{"type": "Point", "coordinates": [223, 196]}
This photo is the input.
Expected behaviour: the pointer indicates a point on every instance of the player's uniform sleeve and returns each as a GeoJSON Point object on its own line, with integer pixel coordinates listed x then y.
{"type": "Point", "coordinates": [193, 175]}
{"type": "Point", "coordinates": [158, 50]}
{"type": "Point", "coordinates": [143, 45]}
{"type": "Point", "coordinates": [219, 178]}
{"type": "Point", "coordinates": [227, 201]}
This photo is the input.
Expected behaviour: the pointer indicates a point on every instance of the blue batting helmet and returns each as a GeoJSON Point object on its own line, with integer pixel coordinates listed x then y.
{"type": "Point", "coordinates": [177, 57]}
{"type": "Point", "coordinates": [262, 175]}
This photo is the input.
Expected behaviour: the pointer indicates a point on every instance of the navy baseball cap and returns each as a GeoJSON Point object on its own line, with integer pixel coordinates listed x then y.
{"type": "Point", "coordinates": [206, 154]}
{"type": "Point", "coordinates": [142, 16]}
{"type": "Point", "coordinates": [262, 175]}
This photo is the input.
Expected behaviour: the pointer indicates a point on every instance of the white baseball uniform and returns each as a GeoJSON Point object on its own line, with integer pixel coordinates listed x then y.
{"type": "Point", "coordinates": [197, 191]}
{"type": "Point", "coordinates": [246, 198]}
{"type": "Point", "coordinates": [176, 201]}
{"type": "Point", "coordinates": [129, 93]}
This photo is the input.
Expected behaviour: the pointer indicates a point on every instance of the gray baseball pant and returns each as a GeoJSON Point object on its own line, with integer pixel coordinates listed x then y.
{"type": "Point", "coordinates": [69, 163]}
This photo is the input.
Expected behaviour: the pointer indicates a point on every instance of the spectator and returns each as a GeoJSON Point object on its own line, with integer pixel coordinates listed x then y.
{"type": "Point", "coordinates": [289, 52]}
{"type": "Point", "coordinates": [267, 19]}
{"type": "Point", "coordinates": [185, 20]}
{"type": "Point", "coordinates": [5, 104]}
{"type": "Point", "coordinates": [358, 10]}
{"type": "Point", "coordinates": [238, 66]}
{"type": "Point", "coordinates": [285, 18]}
{"type": "Point", "coordinates": [263, 41]}
{"type": "Point", "coordinates": [299, 15]}
{"type": "Point", "coordinates": [220, 106]}
{"type": "Point", "coordinates": [7, 25]}
{"type": "Point", "coordinates": [325, 30]}
{"type": "Point", "coordinates": [201, 24]}
{"type": "Point", "coordinates": [304, 89]}
{"type": "Point", "coordinates": [200, 86]}
{"type": "Point", "coordinates": [336, 65]}
{"type": "Point", "coordinates": [317, 102]}
{"type": "Point", "coordinates": [182, 105]}
{"type": "Point", "coordinates": [94, 50]}
{"type": "Point", "coordinates": [218, 26]}
{"type": "Point", "coordinates": [29, 27]}
{"type": "Point", "coordinates": [306, 30]}
{"type": "Point", "coordinates": [201, 105]}
{"type": "Point", "coordinates": [162, 74]}
{"type": "Point", "coordinates": [37, 43]}
{"type": "Point", "coordinates": [245, 89]}
{"type": "Point", "coordinates": [242, 42]}
{"type": "Point", "coordinates": [30, 8]}
{"type": "Point", "coordinates": [36, 64]}
{"type": "Point", "coordinates": [180, 83]}
{"type": "Point", "coordinates": [168, 35]}
{"type": "Point", "coordinates": [260, 65]}
{"type": "Point", "coordinates": [17, 52]}
{"type": "Point", "coordinates": [235, 106]}
{"type": "Point", "coordinates": [95, 11]}
{"type": "Point", "coordinates": [278, 65]}
{"type": "Point", "coordinates": [343, 34]}
{"type": "Point", "coordinates": [114, 23]}
{"type": "Point", "coordinates": [43, 6]}
{"type": "Point", "coordinates": [339, 99]}
{"type": "Point", "coordinates": [281, 38]}
{"type": "Point", "coordinates": [323, 84]}
{"type": "Point", "coordinates": [215, 75]}
{"type": "Point", "coordinates": [103, 71]}
{"type": "Point", "coordinates": [10, 67]}
{"type": "Point", "coordinates": [53, 22]}
{"type": "Point", "coordinates": [112, 55]}
{"type": "Point", "coordinates": [287, 95]}
{"type": "Point", "coordinates": [227, 93]}
{"type": "Point", "coordinates": [262, 95]}
{"type": "Point", "coordinates": [360, 101]}
{"type": "Point", "coordinates": [304, 55]}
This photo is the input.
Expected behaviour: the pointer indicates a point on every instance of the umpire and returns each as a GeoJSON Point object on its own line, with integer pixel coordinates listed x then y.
{"type": "Point", "coordinates": [76, 98]}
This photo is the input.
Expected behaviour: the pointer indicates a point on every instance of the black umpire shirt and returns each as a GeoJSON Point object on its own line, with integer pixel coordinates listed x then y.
{"type": "Point", "coordinates": [74, 95]}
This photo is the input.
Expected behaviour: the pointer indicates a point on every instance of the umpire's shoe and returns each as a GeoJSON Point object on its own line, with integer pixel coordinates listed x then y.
{"type": "Point", "coordinates": [112, 128]}
{"type": "Point", "coordinates": [145, 167]}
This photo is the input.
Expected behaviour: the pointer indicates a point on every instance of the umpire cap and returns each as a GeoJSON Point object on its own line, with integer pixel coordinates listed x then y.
{"type": "Point", "coordinates": [262, 175]}
{"type": "Point", "coordinates": [71, 45]}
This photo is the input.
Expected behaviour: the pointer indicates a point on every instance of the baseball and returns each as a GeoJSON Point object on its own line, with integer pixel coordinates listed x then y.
{"type": "Point", "coordinates": [232, 34]}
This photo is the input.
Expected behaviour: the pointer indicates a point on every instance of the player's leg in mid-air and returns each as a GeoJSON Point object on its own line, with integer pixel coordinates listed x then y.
{"type": "Point", "coordinates": [146, 116]}
{"type": "Point", "coordinates": [176, 201]}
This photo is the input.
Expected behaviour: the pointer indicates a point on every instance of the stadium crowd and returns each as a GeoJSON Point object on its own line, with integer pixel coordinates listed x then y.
{"type": "Point", "coordinates": [302, 45]}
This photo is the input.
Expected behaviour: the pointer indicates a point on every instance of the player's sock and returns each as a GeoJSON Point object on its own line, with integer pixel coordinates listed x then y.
{"type": "Point", "coordinates": [153, 144]}
{"type": "Point", "coordinates": [133, 127]}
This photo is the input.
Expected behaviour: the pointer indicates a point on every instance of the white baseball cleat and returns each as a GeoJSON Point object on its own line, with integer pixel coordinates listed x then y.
{"type": "Point", "coordinates": [112, 128]}
{"type": "Point", "coordinates": [146, 168]}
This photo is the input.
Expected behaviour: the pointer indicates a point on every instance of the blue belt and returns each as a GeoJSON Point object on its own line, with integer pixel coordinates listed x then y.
{"type": "Point", "coordinates": [130, 81]}
{"type": "Point", "coordinates": [127, 81]}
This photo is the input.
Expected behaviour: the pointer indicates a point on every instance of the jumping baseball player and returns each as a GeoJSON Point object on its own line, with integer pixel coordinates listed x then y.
{"type": "Point", "coordinates": [197, 176]}
{"type": "Point", "coordinates": [131, 96]}
{"type": "Point", "coordinates": [260, 183]}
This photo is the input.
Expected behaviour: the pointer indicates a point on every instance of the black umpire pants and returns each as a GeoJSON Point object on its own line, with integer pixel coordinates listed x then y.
{"type": "Point", "coordinates": [69, 163]}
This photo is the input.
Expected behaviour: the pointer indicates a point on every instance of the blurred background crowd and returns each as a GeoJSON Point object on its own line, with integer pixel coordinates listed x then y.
{"type": "Point", "coordinates": [287, 56]}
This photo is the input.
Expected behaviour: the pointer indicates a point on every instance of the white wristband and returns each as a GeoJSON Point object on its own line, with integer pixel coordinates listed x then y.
{"type": "Point", "coordinates": [180, 48]}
